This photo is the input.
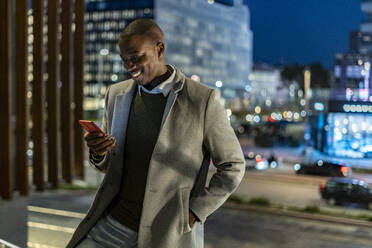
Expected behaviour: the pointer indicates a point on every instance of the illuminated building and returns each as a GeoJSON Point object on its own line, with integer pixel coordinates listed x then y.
{"type": "Point", "coordinates": [104, 20]}
{"type": "Point", "coordinates": [352, 70]}
{"type": "Point", "coordinates": [209, 40]}
{"type": "Point", "coordinates": [346, 127]}
{"type": "Point", "coordinates": [349, 129]}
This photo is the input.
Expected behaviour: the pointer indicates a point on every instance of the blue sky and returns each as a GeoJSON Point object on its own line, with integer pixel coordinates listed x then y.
{"type": "Point", "coordinates": [302, 31]}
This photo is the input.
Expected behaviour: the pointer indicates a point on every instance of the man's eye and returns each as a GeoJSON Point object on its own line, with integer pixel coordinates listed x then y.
{"type": "Point", "coordinates": [137, 58]}
{"type": "Point", "coordinates": [133, 59]}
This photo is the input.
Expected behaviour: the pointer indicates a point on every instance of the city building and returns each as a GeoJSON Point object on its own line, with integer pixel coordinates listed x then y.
{"type": "Point", "coordinates": [104, 20]}
{"type": "Point", "coordinates": [360, 42]}
{"type": "Point", "coordinates": [352, 70]}
{"type": "Point", "coordinates": [366, 26]}
{"type": "Point", "coordinates": [349, 129]}
{"type": "Point", "coordinates": [266, 88]}
{"type": "Point", "coordinates": [346, 127]}
{"type": "Point", "coordinates": [208, 40]}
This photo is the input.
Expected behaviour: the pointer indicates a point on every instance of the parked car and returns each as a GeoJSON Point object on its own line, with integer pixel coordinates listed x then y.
{"type": "Point", "coordinates": [324, 168]}
{"type": "Point", "coordinates": [255, 161]}
{"type": "Point", "coordinates": [341, 191]}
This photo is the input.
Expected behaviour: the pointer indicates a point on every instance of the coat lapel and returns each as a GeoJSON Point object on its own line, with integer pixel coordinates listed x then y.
{"type": "Point", "coordinates": [179, 80]}
{"type": "Point", "coordinates": [120, 115]}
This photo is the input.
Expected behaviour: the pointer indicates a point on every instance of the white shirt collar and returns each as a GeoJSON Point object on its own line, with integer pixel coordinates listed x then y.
{"type": "Point", "coordinates": [163, 88]}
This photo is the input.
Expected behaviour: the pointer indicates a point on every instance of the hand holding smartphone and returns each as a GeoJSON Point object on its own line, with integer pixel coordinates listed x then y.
{"type": "Point", "coordinates": [98, 142]}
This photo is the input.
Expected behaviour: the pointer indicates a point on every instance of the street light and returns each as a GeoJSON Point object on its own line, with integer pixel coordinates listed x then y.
{"type": "Point", "coordinates": [307, 79]}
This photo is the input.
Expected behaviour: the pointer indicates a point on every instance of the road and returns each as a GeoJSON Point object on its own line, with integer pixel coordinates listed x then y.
{"type": "Point", "coordinates": [226, 228]}
{"type": "Point", "coordinates": [284, 188]}
{"type": "Point", "coordinates": [240, 229]}
{"type": "Point", "coordinates": [49, 228]}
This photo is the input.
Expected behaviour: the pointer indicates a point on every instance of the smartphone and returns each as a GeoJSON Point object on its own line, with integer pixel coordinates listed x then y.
{"type": "Point", "coordinates": [90, 126]}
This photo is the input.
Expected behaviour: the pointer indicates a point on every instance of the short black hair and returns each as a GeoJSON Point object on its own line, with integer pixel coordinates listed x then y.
{"type": "Point", "coordinates": [143, 27]}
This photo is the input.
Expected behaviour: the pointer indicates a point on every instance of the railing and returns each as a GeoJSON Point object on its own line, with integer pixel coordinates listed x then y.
{"type": "Point", "coordinates": [4, 244]}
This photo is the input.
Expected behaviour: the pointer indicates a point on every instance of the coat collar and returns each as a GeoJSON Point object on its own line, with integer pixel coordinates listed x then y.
{"type": "Point", "coordinates": [164, 87]}
{"type": "Point", "coordinates": [123, 102]}
{"type": "Point", "coordinates": [178, 82]}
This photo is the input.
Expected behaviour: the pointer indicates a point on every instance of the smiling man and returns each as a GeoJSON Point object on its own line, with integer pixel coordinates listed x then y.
{"type": "Point", "coordinates": [162, 129]}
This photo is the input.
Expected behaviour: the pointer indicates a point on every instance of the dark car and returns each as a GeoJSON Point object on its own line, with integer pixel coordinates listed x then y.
{"type": "Point", "coordinates": [341, 191]}
{"type": "Point", "coordinates": [324, 168]}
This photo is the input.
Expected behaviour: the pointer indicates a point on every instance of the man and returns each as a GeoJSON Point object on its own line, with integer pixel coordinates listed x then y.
{"type": "Point", "coordinates": [162, 129]}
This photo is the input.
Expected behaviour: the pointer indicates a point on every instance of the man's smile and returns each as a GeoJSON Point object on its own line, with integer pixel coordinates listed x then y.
{"type": "Point", "coordinates": [136, 74]}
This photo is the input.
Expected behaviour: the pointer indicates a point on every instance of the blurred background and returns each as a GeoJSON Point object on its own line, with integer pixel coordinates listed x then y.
{"type": "Point", "coordinates": [294, 78]}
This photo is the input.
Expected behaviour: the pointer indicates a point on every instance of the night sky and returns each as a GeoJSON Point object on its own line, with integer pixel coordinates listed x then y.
{"type": "Point", "coordinates": [302, 31]}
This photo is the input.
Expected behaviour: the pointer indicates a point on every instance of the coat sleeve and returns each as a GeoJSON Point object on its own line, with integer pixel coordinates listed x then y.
{"type": "Point", "coordinates": [102, 163]}
{"type": "Point", "coordinates": [226, 153]}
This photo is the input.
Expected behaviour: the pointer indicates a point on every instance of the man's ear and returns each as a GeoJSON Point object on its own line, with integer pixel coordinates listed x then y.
{"type": "Point", "coordinates": [160, 48]}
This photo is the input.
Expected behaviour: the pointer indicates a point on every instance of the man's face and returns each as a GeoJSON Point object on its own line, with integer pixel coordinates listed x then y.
{"type": "Point", "coordinates": [142, 58]}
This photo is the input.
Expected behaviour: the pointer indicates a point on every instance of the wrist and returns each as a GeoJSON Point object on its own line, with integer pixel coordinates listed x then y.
{"type": "Point", "coordinates": [95, 157]}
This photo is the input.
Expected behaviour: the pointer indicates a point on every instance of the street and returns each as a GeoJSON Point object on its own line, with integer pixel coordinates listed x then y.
{"type": "Point", "coordinates": [226, 228]}
{"type": "Point", "coordinates": [241, 229]}
{"type": "Point", "coordinates": [283, 187]}
{"type": "Point", "coordinates": [51, 228]}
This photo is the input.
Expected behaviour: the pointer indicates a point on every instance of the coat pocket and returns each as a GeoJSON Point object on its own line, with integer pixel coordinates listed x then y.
{"type": "Point", "coordinates": [185, 196]}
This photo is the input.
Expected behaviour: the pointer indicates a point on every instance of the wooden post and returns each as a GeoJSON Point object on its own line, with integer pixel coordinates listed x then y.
{"type": "Point", "coordinates": [22, 108]}
{"type": "Point", "coordinates": [6, 175]}
{"type": "Point", "coordinates": [66, 101]}
{"type": "Point", "coordinates": [53, 94]}
{"type": "Point", "coordinates": [79, 86]}
{"type": "Point", "coordinates": [38, 95]}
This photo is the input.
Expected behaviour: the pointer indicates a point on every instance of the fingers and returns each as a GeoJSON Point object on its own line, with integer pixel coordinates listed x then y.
{"type": "Point", "coordinates": [105, 142]}
{"type": "Point", "coordinates": [98, 143]}
{"type": "Point", "coordinates": [91, 136]}
{"type": "Point", "coordinates": [93, 139]}
{"type": "Point", "coordinates": [105, 147]}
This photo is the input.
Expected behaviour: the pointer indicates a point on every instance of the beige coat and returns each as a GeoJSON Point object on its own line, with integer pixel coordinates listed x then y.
{"type": "Point", "coordinates": [194, 128]}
